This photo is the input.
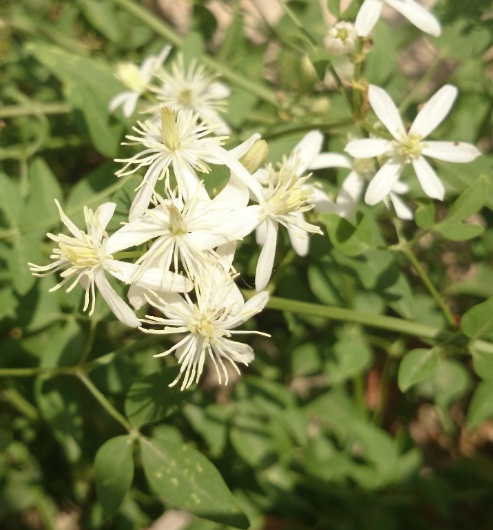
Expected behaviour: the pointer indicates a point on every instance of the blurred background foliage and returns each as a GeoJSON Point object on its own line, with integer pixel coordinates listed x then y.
{"type": "Point", "coordinates": [338, 424]}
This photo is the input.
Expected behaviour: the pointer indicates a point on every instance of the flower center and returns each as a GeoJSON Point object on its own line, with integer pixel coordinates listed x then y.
{"type": "Point", "coordinates": [169, 129]}
{"type": "Point", "coordinates": [287, 194]}
{"type": "Point", "coordinates": [343, 34]}
{"type": "Point", "coordinates": [364, 167]}
{"type": "Point", "coordinates": [131, 77]}
{"type": "Point", "coordinates": [410, 147]}
{"type": "Point", "coordinates": [82, 254]}
{"type": "Point", "coordinates": [185, 97]}
{"type": "Point", "coordinates": [177, 225]}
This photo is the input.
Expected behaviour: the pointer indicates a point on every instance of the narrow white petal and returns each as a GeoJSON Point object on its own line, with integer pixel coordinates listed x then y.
{"type": "Point", "coordinates": [120, 309]}
{"type": "Point", "coordinates": [120, 100]}
{"type": "Point", "coordinates": [323, 203]}
{"type": "Point", "coordinates": [130, 104]}
{"type": "Point", "coordinates": [265, 262]}
{"type": "Point", "coordinates": [386, 111]}
{"type": "Point", "coordinates": [368, 147]}
{"type": "Point", "coordinates": [244, 147]}
{"type": "Point", "coordinates": [261, 233]}
{"type": "Point", "coordinates": [367, 16]}
{"type": "Point", "coordinates": [402, 210]}
{"type": "Point", "coordinates": [104, 214]}
{"type": "Point", "coordinates": [428, 179]}
{"type": "Point", "coordinates": [382, 183]}
{"type": "Point", "coordinates": [349, 195]}
{"type": "Point", "coordinates": [143, 197]}
{"type": "Point", "coordinates": [417, 15]}
{"type": "Point", "coordinates": [460, 152]}
{"type": "Point", "coordinates": [300, 245]}
{"type": "Point", "coordinates": [307, 149]}
{"type": "Point", "coordinates": [434, 111]}
{"type": "Point", "coordinates": [324, 160]}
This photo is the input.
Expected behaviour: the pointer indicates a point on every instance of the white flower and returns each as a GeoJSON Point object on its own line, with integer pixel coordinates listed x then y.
{"type": "Point", "coordinates": [402, 210]}
{"type": "Point", "coordinates": [285, 200]}
{"type": "Point", "coordinates": [341, 39]}
{"type": "Point", "coordinates": [410, 147]}
{"type": "Point", "coordinates": [185, 233]}
{"type": "Point", "coordinates": [85, 257]}
{"type": "Point", "coordinates": [208, 324]}
{"type": "Point", "coordinates": [180, 141]}
{"type": "Point", "coordinates": [370, 11]}
{"type": "Point", "coordinates": [194, 89]}
{"type": "Point", "coordinates": [137, 80]}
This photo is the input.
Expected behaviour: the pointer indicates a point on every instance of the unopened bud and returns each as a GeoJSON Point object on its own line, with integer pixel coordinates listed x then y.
{"type": "Point", "coordinates": [341, 39]}
{"type": "Point", "coordinates": [256, 156]}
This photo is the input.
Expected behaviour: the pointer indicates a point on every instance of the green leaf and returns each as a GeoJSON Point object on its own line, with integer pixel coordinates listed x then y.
{"type": "Point", "coordinates": [11, 202]}
{"type": "Point", "coordinates": [478, 321]}
{"type": "Point", "coordinates": [348, 239]}
{"type": "Point", "coordinates": [251, 439]}
{"type": "Point", "coordinates": [350, 356]}
{"type": "Point", "coordinates": [89, 85]}
{"type": "Point", "coordinates": [482, 362]}
{"type": "Point", "coordinates": [416, 365]}
{"type": "Point", "coordinates": [459, 231]}
{"type": "Point", "coordinates": [114, 472]}
{"type": "Point", "coordinates": [481, 407]}
{"type": "Point", "coordinates": [104, 17]}
{"type": "Point", "coordinates": [150, 399]}
{"type": "Point", "coordinates": [187, 480]}
{"type": "Point", "coordinates": [26, 249]}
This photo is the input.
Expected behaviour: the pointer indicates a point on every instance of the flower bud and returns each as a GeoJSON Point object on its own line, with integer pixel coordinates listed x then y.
{"type": "Point", "coordinates": [341, 39]}
{"type": "Point", "coordinates": [256, 156]}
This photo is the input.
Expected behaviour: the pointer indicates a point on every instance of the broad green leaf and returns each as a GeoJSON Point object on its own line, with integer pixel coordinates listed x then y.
{"type": "Point", "coordinates": [43, 190]}
{"type": "Point", "coordinates": [114, 472]}
{"type": "Point", "coordinates": [478, 321]}
{"type": "Point", "coordinates": [481, 407]}
{"type": "Point", "coordinates": [305, 359]}
{"type": "Point", "coordinates": [459, 231]}
{"type": "Point", "coordinates": [151, 399]}
{"type": "Point", "coordinates": [104, 17]}
{"type": "Point", "coordinates": [348, 239]}
{"type": "Point", "coordinates": [211, 422]}
{"type": "Point", "coordinates": [89, 85]}
{"type": "Point", "coordinates": [11, 202]}
{"type": "Point", "coordinates": [187, 480]}
{"type": "Point", "coordinates": [251, 439]}
{"type": "Point", "coordinates": [26, 249]}
{"type": "Point", "coordinates": [416, 365]}
{"type": "Point", "coordinates": [349, 357]}
{"type": "Point", "coordinates": [482, 361]}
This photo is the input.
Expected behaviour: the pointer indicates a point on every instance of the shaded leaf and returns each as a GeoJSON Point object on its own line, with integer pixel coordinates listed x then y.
{"type": "Point", "coordinates": [416, 365]}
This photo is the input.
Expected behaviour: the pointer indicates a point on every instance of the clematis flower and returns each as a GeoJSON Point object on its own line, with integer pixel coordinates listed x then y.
{"type": "Point", "coordinates": [410, 147]}
{"type": "Point", "coordinates": [137, 80]}
{"type": "Point", "coordinates": [194, 89]}
{"type": "Point", "coordinates": [86, 257]}
{"type": "Point", "coordinates": [180, 142]}
{"type": "Point", "coordinates": [184, 233]}
{"type": "Point", "coordinates": [370, 10]}
{"type": "Point", "coordinates": [208, 323]}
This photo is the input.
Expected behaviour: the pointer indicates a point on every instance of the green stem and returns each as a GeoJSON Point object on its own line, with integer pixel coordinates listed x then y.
{"type": "Point", "coordinates": [89, 342]}
{"type": "Point", "coordinates": [397, 325]}
{"type": "Point", "coordinates": [406, 248]}
{"type": "Point", "coordinates": [15, 111]}
{"type": "Point", "coordinates": [162, 29]}
{"type": "Point", "coordinates": [21, 404]}
{"type": "Point", "coordinates": [110, 409]}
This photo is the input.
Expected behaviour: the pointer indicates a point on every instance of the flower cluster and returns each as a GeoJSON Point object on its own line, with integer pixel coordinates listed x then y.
{"type": "Point", "coordinates": [183, 238]}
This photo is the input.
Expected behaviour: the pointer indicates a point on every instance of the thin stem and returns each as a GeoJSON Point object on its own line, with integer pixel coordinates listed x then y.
{"type": "Point", "coordinates": [15, 111]}
{"type": "Point", "coordinates": [406, 248]}
{"type": "Point", "coordinates": [21, 404]}
{"type": "Point", "coordinates": [110, 409]}
{"type": "Point", "coordinates": [397, 325]}
{"type": "Point", "coordinates": [162, 29]}
{"type": "Point", "coordinates": [89, 342]}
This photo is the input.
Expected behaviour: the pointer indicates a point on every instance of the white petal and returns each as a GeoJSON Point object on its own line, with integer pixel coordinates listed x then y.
{"type": "Point", "coordinates": [417, 15]}
{"type": "Point", "coordinates": [130, 105]}
{"type": "Point", "coordinates": [367, 16]}
{"type": "Point", "coordinates": [134, 233]}
{"type": "Point", "coordinates": [387, 112]}
{"type": "Point", "coordinates": [460, 152]}
{"type": "Point", "coordinates": [300, 244]}
{"type": "Point", "coordinates": [120, 309]}
{"type": "Point", "coordinates": [349, 195]}
{"type": "Point", "coordinates": [120, 99]}
{"type": "Point", "coordinates": [244, 147]}
{"type": "Point", "coordinates": [382, 183]}
{"type": "Point", "coordinates": [307, 149]}
{"type": "Point", "coordinates": [265, 262]}
{"type": "Point", "coordinates": [401, 209]}
{"type": "Point", "coordinates": [323, 203]}
{"type": "Point", "coordinates": [104, 214]}
{"type": "Point", "coordinates": [434, 111]}
{"type": "Point", "coordinates": [428, 179]}
{"type": "Point", "coordinates": [368, 147]}
{"type": "Point", "coordinates": [143, 198]}
{"type": "Point", "coordinates": [261, 233]}
{"type": "Point", "coordinates": [324, 160]}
